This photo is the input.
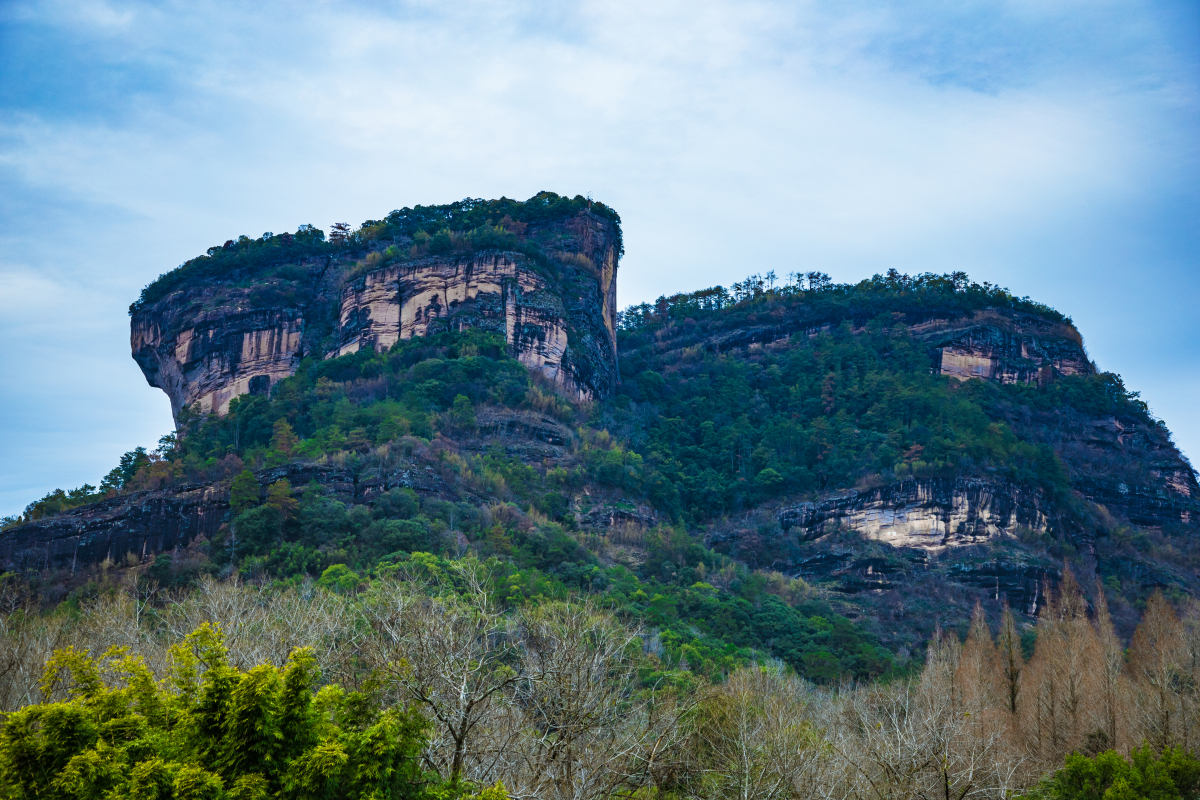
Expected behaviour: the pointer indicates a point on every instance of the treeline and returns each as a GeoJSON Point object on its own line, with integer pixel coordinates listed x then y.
{"type": "Point", "coordinates": [928, 293]}
{"type": "Point", "coordinates": [419, 684]}
{"type": "Point", "coordinates": [464, 226]}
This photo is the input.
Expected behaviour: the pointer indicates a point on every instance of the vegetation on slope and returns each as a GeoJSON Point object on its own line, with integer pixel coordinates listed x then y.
{"type": "Point", "coordinates": [461, 227]}
{"type": "Point", "coordinates": [696, 432]}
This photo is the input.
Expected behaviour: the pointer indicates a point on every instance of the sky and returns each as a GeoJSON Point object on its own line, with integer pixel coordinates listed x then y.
{"type": "Point", "coordinates": [1049, 146]}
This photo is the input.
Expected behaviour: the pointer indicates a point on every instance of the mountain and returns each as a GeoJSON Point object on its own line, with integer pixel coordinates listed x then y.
{"type": "Point", "coordinates": [243, 317]}
{"type": "Point", "coordinates": [820, 472]}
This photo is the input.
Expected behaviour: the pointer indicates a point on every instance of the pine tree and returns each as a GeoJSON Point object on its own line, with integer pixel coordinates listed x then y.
{"type": "Point", "coordinates": [244, 492]}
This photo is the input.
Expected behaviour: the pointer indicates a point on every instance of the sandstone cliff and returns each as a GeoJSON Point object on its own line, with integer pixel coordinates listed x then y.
{"type": "Point", "coordinates": [548, 285]}
{"type": "Point", "coordinates": [931, 514]}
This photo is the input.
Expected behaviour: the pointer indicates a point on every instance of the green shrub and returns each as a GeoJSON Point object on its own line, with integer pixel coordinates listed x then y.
{"type": "Point", "coordinates": [216, 733]}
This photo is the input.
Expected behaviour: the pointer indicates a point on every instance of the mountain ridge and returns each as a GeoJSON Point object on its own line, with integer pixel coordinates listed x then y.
{"type": "Point", "coordinates": [905, 446]}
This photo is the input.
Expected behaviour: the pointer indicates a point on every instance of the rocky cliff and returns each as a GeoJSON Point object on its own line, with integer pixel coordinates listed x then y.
{"type": "Point", "coordinates": [932, 513]}
{"type": "Point", "coordinates": [910, 445]}
{"type": "Point", "coordinates": [1007, 347]}
{"type": "Point", "coordinates": [212, 330]}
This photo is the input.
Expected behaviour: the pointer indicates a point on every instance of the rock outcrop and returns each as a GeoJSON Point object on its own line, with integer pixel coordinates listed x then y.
{"type": "Point", "coordinates": [144, 523]}
{"type": "Point", "coordinates": [929, 513]}
{"type": "Point", "coordinates": [501, 292]}
{"type": "Point", "coordinates": [205, 358]}
{"type": "Point", "coordinates": [552, 295]}
{"type": "Point", "coordinates": [1010, 347]}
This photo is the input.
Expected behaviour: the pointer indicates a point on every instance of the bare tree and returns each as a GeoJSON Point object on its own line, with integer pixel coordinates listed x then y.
{"type": "Point", "coordinates": [585, 731]}
{"type": "Point", "coordinates": [1155, 658]}
{"type": "Point", "coordinates": [444, 645]}
{"type": "Point", "coordinates": [1114, 689]}
{"type": "Point", "coordinates": [1012, 660]}
{"type": "Point", "coordinates": [752, 740]}
{"type": "Point", "coordinates": [1061, 682]}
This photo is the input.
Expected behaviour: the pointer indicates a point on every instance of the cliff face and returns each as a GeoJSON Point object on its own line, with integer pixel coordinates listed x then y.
{"type": "Point", "coordinates": [207, 357]}
{"type": "Point", "coordinates": [553, 298]}
{"type": "Point", "coordinates": [1007, 348]}
{"type": "Point", "coordinates": [932, 514]}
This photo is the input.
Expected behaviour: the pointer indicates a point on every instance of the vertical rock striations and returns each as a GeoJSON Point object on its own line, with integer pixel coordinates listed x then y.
{"type": "Point", "coordinates": [548, 286]}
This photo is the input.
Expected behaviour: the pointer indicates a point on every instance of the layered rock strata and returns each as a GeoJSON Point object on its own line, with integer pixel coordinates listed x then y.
{"type": "Point", "coordinates": [553, 299]}
{"type": "Point", "coordinates": [216, 355]}
{"type": "Point", "coordinates": [500, 292]}
{"type": "Point", "coordinates": [149, 522]}
{"type": "Point", "coordinates": [932, 514]}
{"type": "Point", "coordinates": [1009, 348]}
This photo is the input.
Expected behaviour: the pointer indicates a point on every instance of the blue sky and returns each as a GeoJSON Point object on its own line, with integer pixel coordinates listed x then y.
{"type": "Point", "coordinates": [1050, 147]}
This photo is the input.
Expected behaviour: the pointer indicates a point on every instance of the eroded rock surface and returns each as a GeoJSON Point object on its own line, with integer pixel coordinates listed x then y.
{"type": "Point", "coordinates": [931, 514]}
{"type": "Point", "coordinates": [500, 292]}
{"type": "Point", "coordinates": [554, 301]}
{"type": "Point", "coordinates": [1010, 348]}
{"type": "Point", "coordinates": [206, 358]}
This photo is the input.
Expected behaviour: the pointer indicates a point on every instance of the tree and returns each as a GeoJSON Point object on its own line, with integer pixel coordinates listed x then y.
{"type": "Point", "coordinates": [1173, 775]}
{"type": "Point", "coordinates": [1114, 686]}
{"type": "Point", "coordinates": [582, 728]}
{"type": "Point", "coordinates": [216, 732]}
{"type": "Point", "coordinates": [751, 739]}
{"type": "Point", "coordinates": [257, 530]}
{"type": "Point", "coordinates": [1012, 661]}
{"type": "Point", "coordinates": [279, 496]}
{"type": "Point", "coordinates": [1062, 681]}
{"type": "Point", "coordinates": [244, 492]}
{"type": "Point", "coordinates": [462, 414]}
{"type": "Point", "coordinates": [453, 654]}
{"type": "Point", "coordinates": [339, 234]}
{"type": "Point", "coordinates": [978, 676]}
{"type": "Point", "coordinates": [1155, 658]}
{"type": "Point", "coordinates": [338, 578]}
{"type": "Point", "coordinates": [283, 437]}
{"type": "Point", "coordinates": [125, 470]}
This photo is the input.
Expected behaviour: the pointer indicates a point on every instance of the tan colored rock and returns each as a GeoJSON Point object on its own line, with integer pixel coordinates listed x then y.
{"type": "Point", "coordinates": [218, 356]}
{"type": "Point", "coordinates": [489, 290]}
{"type": "Point", "coordinates": [930, 513]}
{"type": "Point", "coordinates": [553, 300]}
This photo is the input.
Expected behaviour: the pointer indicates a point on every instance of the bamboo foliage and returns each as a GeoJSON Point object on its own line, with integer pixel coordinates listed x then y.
{"type": "Point", "coordinates": [552, 700]}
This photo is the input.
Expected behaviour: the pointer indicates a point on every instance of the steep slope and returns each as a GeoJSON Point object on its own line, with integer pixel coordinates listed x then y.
{"type": "Point", "coordinates": [241, 318]}
{"type": "Point", "coordinates": [905, 442]}
{"type": "Point", "coordinates": [906, 445]}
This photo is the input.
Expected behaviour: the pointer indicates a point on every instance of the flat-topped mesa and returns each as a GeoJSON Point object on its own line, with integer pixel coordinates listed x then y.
{"type": "Point", "coordinates": [238, 321]}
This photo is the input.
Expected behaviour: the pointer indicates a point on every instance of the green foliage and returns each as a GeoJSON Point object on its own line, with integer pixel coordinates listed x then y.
{"type": "Point", "coordinates": [276, 261]}
{"type": "Point", "coordinates": [361, 400]}
{"type": "Point", "coordinates": [216, 732]}
{"type": "Point", "coordinates": [244, 492]}
{"type": "Point", "coordinates": [819, 300]}
{"type": "Point", "coordinates": [240, 259]}
{"type": "Point", "coordinates": [338, 578]}
{"type": "Point", "coordinates": [729, 431]}
{"type": "Point", "coordinates": [1173, 775]}
{"type": "Point", "coordinates": [124, 472]}
{"type": "Point", "coordinates": [474, 215]}
{"type": "Point", "coordinates": [257, 530]}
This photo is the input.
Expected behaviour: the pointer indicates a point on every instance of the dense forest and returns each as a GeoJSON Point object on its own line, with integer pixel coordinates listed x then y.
{"type": "Point", "coordinates": [310, 647]}
{"type": "Point", "coordinates": [461, 227]}
{"type": "Point", "coordinates": [420, 683]}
